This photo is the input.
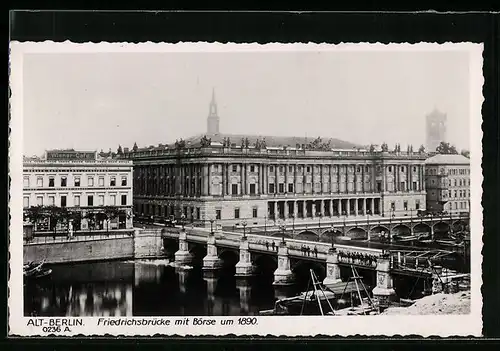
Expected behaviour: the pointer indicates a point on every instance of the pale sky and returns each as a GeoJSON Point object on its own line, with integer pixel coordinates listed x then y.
{"type": "Point", "coordinates": [96, 101]}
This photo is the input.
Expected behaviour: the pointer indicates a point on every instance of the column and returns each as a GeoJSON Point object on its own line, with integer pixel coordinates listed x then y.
{"type": "Point", "coordinates": [312, 178]}
{"type": "Point", "coordinates": [244, 267]}
{"type": "Point", "coordinates": [356, 207]}
{"type": "Point", "coordinates": [330, 171]}
{"type": "Point", "coordinates": [227, 179]}
{"type": "Point", "coordinates": [295, 209]}
{"type": "Point", "coordinates": [338, 178]}
{"type": "Point", "coordinates": [365, 210]}
{"type": "Point", "coordinates": [330, 207]}
{"type": "Point", "coordinates": [286, 178]}
{"type": "Point", "coordinates": [313, 209]}
{"type": "Point", "coordinates": [322, 208]}
{"type": "Point", "coordinates": [182, 256]}
{"type": "Point", "coordinates": [295, 178]}
{"type": "Point", "coordinates": [283, 275]}
{"type": "Point", "coordinates": [321, 178]}
{"type": "Point", "coordinates": [276, 178]}
{"type": "Point", "coordinates": [223, 183]}
{"type": "Point", "coordinates": [304, 178]}
{"type": "Point", "coordinates": [332, 268]}
{"type": "Point", "coordinates": [265, 176]}
{"type": "Point", "coordinates": [243, 181]}
{"type": "Point", "coordinates": [355, 179]}
{"type": "Point", "coordinates": [384, 292]}
{"type": "Point", "coordinates": [339, 207]}
{"type": "Point", "coordinates": [208, 171]}
{"type": "Point", "coordinates": [211, 261]}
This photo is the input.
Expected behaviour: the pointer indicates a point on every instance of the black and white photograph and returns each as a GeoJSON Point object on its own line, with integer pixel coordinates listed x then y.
{"type": "Point", "coordinates": [264, 182]}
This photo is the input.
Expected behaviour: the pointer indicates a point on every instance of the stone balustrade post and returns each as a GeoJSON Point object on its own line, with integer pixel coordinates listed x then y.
{"type": "Point", "coordinates": [384, 292]}
{"type": "Point", "coordinates": [332, 268]}
{"type": "Point", "coordinates": [437, 283]}
{"type": "Point", "coordinates": [183, 256]}
{"type": "Point", "coordinates": [211, 261]}
{"type": "Point", "coordinates": [244, 267]}
{"type": "Point", "coordinates": [283, 274]}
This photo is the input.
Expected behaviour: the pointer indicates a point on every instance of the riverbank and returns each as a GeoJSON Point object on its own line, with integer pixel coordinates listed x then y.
{"type": "Point", "coordinates": [438, 304]}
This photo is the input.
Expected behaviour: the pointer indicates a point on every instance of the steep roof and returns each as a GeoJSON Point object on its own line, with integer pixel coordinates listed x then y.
{"type": "Point", "coordinates": [447, 159]}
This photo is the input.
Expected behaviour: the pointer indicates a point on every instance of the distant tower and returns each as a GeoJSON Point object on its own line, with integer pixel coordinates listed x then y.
{"type": "Point", "coordinates": [436, 129]}
{"type": "Point", "coordinates": [213, 117]}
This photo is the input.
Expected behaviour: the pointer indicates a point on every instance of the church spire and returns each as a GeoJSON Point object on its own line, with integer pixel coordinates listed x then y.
{"type": "Point", "coordinates": [213, 117]}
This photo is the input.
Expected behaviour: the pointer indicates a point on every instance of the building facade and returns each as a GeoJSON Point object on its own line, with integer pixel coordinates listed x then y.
{"type": "Point", "coordinates": [82, 181]}
{"type": "Point", "coordinates": [436, 129]}
{"type": "Point", "coordinates": [448, 183]}
{"type": "Point", "coordinates": [235, 178]}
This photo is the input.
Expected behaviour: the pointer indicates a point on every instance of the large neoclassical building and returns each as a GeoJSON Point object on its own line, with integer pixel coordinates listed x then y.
{"type": "Point", "coordinates": [230, 178]}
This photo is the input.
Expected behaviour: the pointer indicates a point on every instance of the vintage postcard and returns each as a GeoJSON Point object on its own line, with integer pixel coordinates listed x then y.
{"type": "Point", "coordinates": [241, 189]}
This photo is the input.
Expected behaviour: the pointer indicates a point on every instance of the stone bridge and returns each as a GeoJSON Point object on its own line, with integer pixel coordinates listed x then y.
{"type": "Point", "coordinates": [285, 252]}
{"type": "Point", "coordinates": [325, 231]}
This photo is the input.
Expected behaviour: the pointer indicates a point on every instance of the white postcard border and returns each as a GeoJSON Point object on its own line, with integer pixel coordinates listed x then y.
{"type": "Point", "coordinates": [433, 325]}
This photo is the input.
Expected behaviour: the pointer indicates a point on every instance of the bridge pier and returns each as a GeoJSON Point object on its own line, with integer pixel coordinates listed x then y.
{"type": "Point", "coordinates": [332, 268]}
{"type": "Point", "coordinates": [211, 261]}
{"type": "Point", "coordinates": [244, 267]}
{"type": "Point", "coordinates": [384, 292]}
{"type": "Point", "coordinates": [182, 256]}
{"type": "Point", "coordinates": [283, 275]}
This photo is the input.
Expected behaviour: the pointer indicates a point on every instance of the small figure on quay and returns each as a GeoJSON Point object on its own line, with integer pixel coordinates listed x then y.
{"type": "Point", "coordinates": [267, 245]}
{"type": "Point", "coordinates": [273, 245]}
{"type": "Point", "coordinates": [315, 251]}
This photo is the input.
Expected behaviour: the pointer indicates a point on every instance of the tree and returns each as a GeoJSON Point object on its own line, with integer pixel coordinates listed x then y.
{"type": "Point", "coordinates": [57, 215]}
{"type": "Point", "coordinates": [110, 213]}
{"type": "Point", "coordinates": [135, 147]}
{"type": "Point", "coordinates": [34, 214]}
{"type": "Point", "coordinates": [465, 153]}
{"type": "Point", "coordinates": [446, 148]}
{"type": "Point", "coordinates": [90, 217]}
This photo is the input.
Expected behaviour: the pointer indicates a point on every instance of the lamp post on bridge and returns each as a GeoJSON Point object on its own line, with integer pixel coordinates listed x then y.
{"type": "Point", "coordinates": [183, 217]}
{"type": "Point", "coordinates": [293, 223]}
{"type": "Point", "coordinates": [368, 225]}
{"type": "Point", "coordinates": [282, 227]}
{"type": "Point", "coordinates": [345, 217]}
{"type": "Point", "coordinates": [332, 228]}
{"type": "Point", "coordinates": [318, 214]}
{"type": "Point", "coordinates": [244, 224]}
{"type": "Point", "coordinates": [211, 227]}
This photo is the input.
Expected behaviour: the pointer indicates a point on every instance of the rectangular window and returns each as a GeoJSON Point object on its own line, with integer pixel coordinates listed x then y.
{"type": "Point", "coordinates": [358, 169]}
{"type": "Point", "coordinates": [415, 186]}
{"type": "Point", "coordinates": [290, 169]}
{"type": "Point", "coordinates": [290, 187]}
{"type": "Point", "coordinates": [235, 168]}
{"type": "Point", "coordinates": [113, 200]}
{"type": "Point", "coordinates": [455, 194]}
{"type": "Point", "coordinates": [51, 182]}
{"type": "Point", "coordinates": [39, 200]}
{"type": "Point", "coordinates": [63, 181]}
{"type": "Point", "coordinates": [403, 186]}
{"type": "Point", "coordinates": [402, 168]}
{"type": "Point", "coordinates": [389, 169]}
{"type": "Point", "coordinates": [91, 181]}
{"type": "Point", "coordinates": [405, 205]}
{"type": "Point", "coordinates": [77, 200]}
{"type": "Point", "coordinates": [77, 181]}
{"type": "Point", "coordinates": [112, 181]}
{"type": "Point", "coordinates": [308, 169]}
{"type": "Point", "coordinates": [124, 200]}
{"type": "Point", "coordinates": [417, 205]}
{"type": "Point", "coordinates": [101, 181]}
{"type": "Point", "coordinates": [281, 187]}
{"type": "Point", "coordinates": [414, 169]}
{"type": "Point", "coordinates": [367, 168]}
{"type": "Point", "coordinates": [198, 213]}
{"type": "Point", "coordinates": [26, 182]}
{"type": "Point", "coordinates": [281, 169]}
{"type": "Point", "coordinates": [236, 213]}
{"type": "Point", "coordinates": [124, 181]}
{"type": "Point", "coordinates": [252, 168]}
{"type": "Point", "coordinates": [63, 200]}
{"type": "Point", "coordinates": [101, 200]}
{"type": "Point", "coordinates": [52, 200]}
{"type": "Point", "coordinates": [393, 206]}
{"type": "Point", "coordinates": [26, 201]}
{"type": "Point", "coordinates": [234, 189]}
{"type": "Point", "coordinates": [254, 212]}
{"type": "Point", "coordinates": [252, 189]}
{"type": "Point", "coordinates": [379, 186]}
{"type": "Point", "coordinates": [271, 188]}
{"type": "Point", "coordinates": [90, 200]}
{"type": "Point", "coordinates": [218, 214]}
{"type": "Point", "coordinates": [39, 181]}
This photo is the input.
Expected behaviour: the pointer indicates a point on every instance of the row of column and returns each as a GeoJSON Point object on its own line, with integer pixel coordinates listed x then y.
{"type": "Point", "coordinates": [195, 179]}
{"type": "Point", "coordinates": [323, 208]}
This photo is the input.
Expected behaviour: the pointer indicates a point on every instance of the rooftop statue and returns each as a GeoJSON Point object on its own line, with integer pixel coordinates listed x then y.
{"type": "Point", "coordinates": [384, 147]}
{"type": "Point", "coordinates": [204, 142]}
{"type": "Point", "coordinates": [318, 144]}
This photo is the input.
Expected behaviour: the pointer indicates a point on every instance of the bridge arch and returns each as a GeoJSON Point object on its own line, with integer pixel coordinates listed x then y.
{"type": "Point", "coordinates": [421, 228]}
{"type": "Point", "coordinates": [281, 234]}
{"type": "Point", "coordinates": [228, 257]}
{"type": "Point", "coordinates": [458, 225]}
{"type": "Point", "coordinates": [328, 235]}
{"type": "Point", "coordinates": [307, 235]}
{"type": "Point", "coordinates": [401, 229]}
{"type": "Point", "coordinates": [301, 269]}
{"type": "Point", "coordinates": [197, 251]}
{"type": "Point", "coordinates": [441, 227]}
{"type": "Point", "coordinates": [357, 233]}
{"type": "Point", "coordinates": [265, 264]}
{"type": "Point", "coordinates": [378, 230]}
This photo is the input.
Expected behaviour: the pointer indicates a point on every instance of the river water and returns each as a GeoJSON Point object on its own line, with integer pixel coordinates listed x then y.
{"type": "Point", "coordinates": [146, 288]}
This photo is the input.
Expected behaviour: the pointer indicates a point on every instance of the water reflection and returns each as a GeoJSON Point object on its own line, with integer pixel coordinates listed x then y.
{"type": "Point", "coordinates": [145, 288]}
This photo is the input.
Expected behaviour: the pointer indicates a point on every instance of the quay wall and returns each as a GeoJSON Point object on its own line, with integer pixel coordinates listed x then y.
{"type": "Point", "coordinates": [143, 244]}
